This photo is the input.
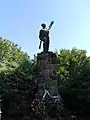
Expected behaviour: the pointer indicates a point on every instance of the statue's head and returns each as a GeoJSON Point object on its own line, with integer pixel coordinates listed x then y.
{"type": "Point", "coordinates": [43, 25]}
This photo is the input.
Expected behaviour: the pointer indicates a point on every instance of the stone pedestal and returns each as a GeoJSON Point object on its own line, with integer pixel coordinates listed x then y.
{"type": "Point", "coordinates": [47, 68]}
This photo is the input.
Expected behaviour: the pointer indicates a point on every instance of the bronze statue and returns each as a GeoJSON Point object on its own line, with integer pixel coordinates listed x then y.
{"type": "Point", "coordinates": [44, 36]}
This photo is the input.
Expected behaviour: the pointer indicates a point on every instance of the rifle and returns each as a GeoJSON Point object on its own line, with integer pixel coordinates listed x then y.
{"type": "Point", "coordinates": [40, 44]}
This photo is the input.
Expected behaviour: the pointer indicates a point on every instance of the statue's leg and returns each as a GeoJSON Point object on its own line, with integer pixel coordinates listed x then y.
{"type": "Point", "coordinates": [47, 44]}
{"type": "Point", "coordinates": [43, 46]}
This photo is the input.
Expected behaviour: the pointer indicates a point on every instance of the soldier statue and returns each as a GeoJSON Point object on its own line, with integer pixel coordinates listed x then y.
{"type": "Point", "coordinates": [44, 36]}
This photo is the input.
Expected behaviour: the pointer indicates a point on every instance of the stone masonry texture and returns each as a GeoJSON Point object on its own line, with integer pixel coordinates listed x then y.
{"type": "Point", "coordinates": [47, 68]}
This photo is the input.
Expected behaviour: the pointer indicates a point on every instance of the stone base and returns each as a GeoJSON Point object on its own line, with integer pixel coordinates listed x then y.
{"type": "Point", "coordinates": [47, 67]}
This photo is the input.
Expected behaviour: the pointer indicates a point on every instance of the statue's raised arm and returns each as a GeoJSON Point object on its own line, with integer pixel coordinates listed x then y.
{"type": "Point", "coordinates": [49, 27]}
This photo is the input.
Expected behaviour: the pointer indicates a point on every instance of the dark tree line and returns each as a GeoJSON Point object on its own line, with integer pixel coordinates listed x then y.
{"type": "Point", "coordinates": [18, 77]}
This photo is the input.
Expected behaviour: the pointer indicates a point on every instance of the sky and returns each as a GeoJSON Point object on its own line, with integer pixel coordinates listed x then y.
{"type": "Point", "coordinates": [20, 22]}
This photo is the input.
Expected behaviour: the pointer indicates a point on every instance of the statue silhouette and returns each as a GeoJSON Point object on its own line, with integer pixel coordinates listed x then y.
{"type": "Point", "coordinates": [44, 36]}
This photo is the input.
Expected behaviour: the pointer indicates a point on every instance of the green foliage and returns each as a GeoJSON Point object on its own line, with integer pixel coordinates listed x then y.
{"type": "Point", "coordinates": [17, 75]}
{"type": "Point", "coordinates": [40, 111]}
{"type": "Point", "coordinates": [15, 66]}
{"type": "Point", "coordinates": [10, 52]}
{"type": "Point", "coordinates": [74, 75]}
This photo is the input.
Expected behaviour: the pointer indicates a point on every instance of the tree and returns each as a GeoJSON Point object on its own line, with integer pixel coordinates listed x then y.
{"type": "Point", "coordinates": [17, 76]}
{"type": "Point", "coordinates": [73, 78]}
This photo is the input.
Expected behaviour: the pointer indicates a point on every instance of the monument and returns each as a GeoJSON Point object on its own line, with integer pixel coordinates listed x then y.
{"type": "Point", "coordinates": [46, 62]}
{"type": "Point", "coordinates": [47, 101]}
{"type": "Point", "coordinates": [47, 68]}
